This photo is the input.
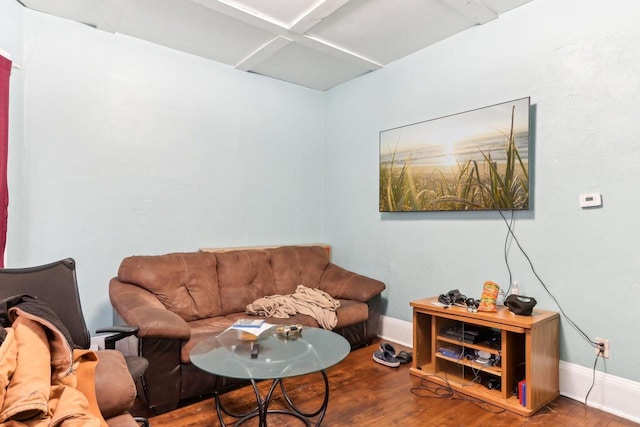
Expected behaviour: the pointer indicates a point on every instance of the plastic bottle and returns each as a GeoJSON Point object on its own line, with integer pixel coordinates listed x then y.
{"type": "Point", "coordinates": [515, 288]}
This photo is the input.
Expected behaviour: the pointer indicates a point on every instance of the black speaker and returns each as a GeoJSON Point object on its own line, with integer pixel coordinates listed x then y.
{"type": "Point", "coordinates": [492, 383]}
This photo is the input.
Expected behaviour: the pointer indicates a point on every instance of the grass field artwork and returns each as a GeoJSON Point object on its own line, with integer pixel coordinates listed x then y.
{"type": "Point", "coordinates": [476, 160]}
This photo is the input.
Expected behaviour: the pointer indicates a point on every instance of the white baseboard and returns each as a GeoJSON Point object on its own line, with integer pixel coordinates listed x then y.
{"type": "Point", "coordinates": [398, 331]}
{"type": "Point", "coordinates": [612, 394]}
{"type": "Point", "coordinates": [616, 395]}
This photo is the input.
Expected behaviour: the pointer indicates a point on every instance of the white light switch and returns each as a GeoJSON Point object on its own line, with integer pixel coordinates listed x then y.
{"type": "Point", "coordinates": [590, 200]}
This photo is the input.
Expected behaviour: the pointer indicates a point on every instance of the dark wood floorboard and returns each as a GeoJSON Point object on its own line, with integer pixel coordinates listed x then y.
{"type": "Point", "coordinates": [363, 393]}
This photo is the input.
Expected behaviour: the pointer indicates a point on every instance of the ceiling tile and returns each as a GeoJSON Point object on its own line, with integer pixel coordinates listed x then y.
{"type": "Point", "coordinates": [192, 28]}
{"type": "Point", "coordinates": [308, 67]}
{"type": "Point", "coordinates": [383, 31]}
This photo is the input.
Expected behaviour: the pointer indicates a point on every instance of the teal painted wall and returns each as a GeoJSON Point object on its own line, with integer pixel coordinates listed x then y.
{"type": "Point", "coordinates": [581, 68]}
{"type": "Point", "coordinates": [132, 148]}
{"type": "Point", "coordinates": [124, 147]}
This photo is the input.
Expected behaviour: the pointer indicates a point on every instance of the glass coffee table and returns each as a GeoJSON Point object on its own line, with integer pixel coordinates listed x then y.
{"type": "Point", "coordinates": [275, 358]}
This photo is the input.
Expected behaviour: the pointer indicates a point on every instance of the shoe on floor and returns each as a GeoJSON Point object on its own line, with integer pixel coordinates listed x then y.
{"type": "Point", "coordinates": [404, 357]}
{"type": "Point", "coordinates": [386, 358]}
{"type": "Point", "coordinates": [385, 346]}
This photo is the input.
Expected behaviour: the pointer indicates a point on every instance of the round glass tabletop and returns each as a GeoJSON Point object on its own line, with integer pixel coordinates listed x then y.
{"type": "Point", "coordinates": [314, 350]}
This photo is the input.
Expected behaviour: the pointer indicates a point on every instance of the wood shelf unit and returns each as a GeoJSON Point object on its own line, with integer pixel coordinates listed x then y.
{"type": "Point", "coordinates": [528, 349]}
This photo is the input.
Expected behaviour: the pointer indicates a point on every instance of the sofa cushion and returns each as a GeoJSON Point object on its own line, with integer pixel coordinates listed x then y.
{"type": "Point", "coordinates": [297, 265]}
{"type": "Point", "coordinates": [186, 283]}
{"type": "Point", "coordinates": [243, 276]}
{"type": "Point", "coordinates": [246, 275]}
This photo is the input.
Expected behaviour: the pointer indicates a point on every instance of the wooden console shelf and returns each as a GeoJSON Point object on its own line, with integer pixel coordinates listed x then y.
{"type": "Point", "coordinates": [518, 347]}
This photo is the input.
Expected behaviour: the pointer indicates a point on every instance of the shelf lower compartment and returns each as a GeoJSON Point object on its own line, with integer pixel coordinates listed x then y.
{"type": "Point", "coordinates": [466, 386]}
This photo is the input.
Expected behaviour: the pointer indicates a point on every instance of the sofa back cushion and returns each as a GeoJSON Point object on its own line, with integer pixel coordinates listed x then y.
{"type": "Point", "coordinates": [198, 285]}
{"type": "Point", "coordinates": [248, 274]}
{"type": "Point", "coordinates": [243, 276]}
{"type": "Point", "coordinates": [186, 283]}
{"type": "Point", "coordinates": [297, 265]}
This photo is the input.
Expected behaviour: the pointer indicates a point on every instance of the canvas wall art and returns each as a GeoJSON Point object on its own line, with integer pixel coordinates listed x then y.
{"type": "Point", "coordinates": [475, 160]}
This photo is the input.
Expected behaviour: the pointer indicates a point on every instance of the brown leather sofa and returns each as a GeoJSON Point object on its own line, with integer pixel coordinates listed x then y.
{"type": "Point", "coordinates": [178, 299]}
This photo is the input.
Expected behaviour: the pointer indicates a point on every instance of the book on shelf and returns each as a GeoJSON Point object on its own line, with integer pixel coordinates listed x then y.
{"type": "Point", "coordinates": [522, 392]}
{"type": "Point", "coordinates": [454, 353]}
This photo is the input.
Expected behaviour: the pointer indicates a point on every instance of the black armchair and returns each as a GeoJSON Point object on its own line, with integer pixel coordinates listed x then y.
{"type": "Point", "coordinates": [56, 285]}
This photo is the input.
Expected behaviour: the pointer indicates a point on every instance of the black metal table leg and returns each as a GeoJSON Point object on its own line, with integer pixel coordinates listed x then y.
{"type": "Point", "coordinates": [321, 411]}
{"type": "Point", "coordinates": [262, 407]}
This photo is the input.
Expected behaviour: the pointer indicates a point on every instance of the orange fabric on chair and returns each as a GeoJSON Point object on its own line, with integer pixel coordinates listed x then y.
{"type": "Point", "coordinates": [28, 393]}
{"type": "Point", "coordinates": [8, 355]}
{"type": "Point", "coordinates": [48, 383]}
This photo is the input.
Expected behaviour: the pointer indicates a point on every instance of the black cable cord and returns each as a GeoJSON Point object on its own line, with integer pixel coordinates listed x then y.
{"type": "Point", "coordinates": [439, 391]}
{"type": "Point", "coordinates": [595, 344]}
{"type": "Point", "coordinates": [481, 404]}
{"type": "Point", "coordinates": [506, 253]}
{"type": "Point", "coordinates": [593, 381]}
{"type": "Point", "coordinates": [443, 391]}
{"type": "Point", "coordinates": [571, 322]}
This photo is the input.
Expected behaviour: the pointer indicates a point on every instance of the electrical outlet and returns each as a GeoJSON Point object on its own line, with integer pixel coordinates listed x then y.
{"type": "Point", "coordinates": [604, 345]}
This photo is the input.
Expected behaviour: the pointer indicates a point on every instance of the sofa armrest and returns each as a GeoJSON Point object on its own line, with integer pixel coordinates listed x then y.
{"type": "Point", "coordinates": [140, 308]}
{"type": "Point", "coordinates": [341, 283]}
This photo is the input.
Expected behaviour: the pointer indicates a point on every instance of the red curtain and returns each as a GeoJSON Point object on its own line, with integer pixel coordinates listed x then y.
{"type": "Point", "coordinates": [5, 72]}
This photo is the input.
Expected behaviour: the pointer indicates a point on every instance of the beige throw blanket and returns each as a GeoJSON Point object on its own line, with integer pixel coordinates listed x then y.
{"type": "Point", "coordinates": [312, 302]}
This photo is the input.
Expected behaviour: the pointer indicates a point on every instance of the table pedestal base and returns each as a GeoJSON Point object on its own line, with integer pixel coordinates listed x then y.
{"type": "Point", "coordinates": [262, 409]}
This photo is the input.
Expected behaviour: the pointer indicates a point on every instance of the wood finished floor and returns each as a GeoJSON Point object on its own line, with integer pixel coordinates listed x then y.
{"type": "Point", "coordinates": [365, 393]}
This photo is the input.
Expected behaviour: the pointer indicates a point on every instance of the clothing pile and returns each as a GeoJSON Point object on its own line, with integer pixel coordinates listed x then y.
{"type": "Point", "coordinates": [310, 301]}
{"type": "Point", "coordinates": [44, 381]}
